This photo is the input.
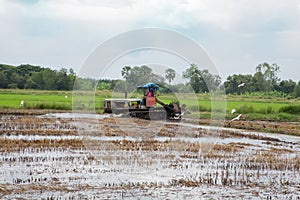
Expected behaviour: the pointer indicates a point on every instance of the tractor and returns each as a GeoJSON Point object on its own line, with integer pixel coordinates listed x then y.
{"type": "Point", "coordinates": [146, 107]}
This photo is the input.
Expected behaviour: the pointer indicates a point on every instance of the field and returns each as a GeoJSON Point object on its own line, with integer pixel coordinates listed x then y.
{"type": "Point", "coordinates": [58, 145]}
{"type": "Point", "coordinates": [92, 156]}
{"type": "Point", "coordinates": [253, 107]}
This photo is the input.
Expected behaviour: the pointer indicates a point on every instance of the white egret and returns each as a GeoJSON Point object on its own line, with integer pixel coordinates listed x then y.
{"type": "Point", "coordinates": [233, 111]}
{"type": "Point", "coordinates": [241, 85]}
{"type": "Point", "coordinates": [237, 118]}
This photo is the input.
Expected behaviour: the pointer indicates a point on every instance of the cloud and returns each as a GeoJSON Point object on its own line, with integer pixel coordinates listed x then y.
{"type": "Point", "coordinates": [53, 32]}
{"type": "Point", "coordinates": [233, 16]}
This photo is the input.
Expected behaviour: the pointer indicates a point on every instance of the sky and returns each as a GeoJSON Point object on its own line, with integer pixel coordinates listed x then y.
{"type": "Point", "coordinates": [236, 34]}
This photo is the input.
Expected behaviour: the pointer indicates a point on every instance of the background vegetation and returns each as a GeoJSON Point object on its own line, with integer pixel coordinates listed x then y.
{"type": "Point", "coordinates": [265, 80]}
{"type": "Point", "coordinates": [253, 107]}
{"type": "Point", "coordinates": [261, 96]}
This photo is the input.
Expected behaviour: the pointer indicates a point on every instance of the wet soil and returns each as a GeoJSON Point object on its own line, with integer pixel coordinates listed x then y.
{"type": "Point", "coordinates": [64, 155]}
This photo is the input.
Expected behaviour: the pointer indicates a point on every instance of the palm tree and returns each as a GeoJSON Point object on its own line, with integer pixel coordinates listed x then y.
{"type": "Point", "coordinates": [170, 75]}
{"type": "Point", "coordinates": [125, 74]}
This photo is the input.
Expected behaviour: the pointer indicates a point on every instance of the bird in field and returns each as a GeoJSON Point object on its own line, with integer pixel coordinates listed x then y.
{"type": "Point", "coordinates": [236, 118]}
{"type": "Point", "coordinates": [233, 111]}
{"type": "Point", "coordinates": [241, 85]}
{"type": "Point", "coordinates": [22, 103]}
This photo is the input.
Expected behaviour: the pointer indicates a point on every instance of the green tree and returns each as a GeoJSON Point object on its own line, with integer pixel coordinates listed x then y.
{"type": "Point", "coordinates": [136, 76]}
{"type": "Point", "coordinates": [104, 86]}
{"type": "Point", "coordinates": [233, 82]}
{"type": "Point", "coordinates": [37, 78]}
{"type": "Point", "coordinates": [139, 76]}
{"type": "Point", "coordinates": [72, 77]}
{"type": "Point", "coordinates": [145, 70]}
{"type": "Point", "coordinates": [212, 82]}
{"type": "Point", "coordinates": [63, 80]}
{"type": "Point", "coordinates": [30, 84]}
{"type": "Point", "coordinates": [286, 86]}
{"type": "Point", "coordinates": [49, 79]}
{"type": "Point", "coordinates": [27, 70]}
{"type": "Point", "coordinates": [201, 80]}
{"type": "Point", "coordinates": [269, 73]}
{"type": "Point", "coordinates": [170, 75]}
{"type": "Point", "coordinates": [259, 82]}
{"type": "Point", "coordinates": [3, 80]}
{"type": "Point", "coordinates": [85, 84]}
{"type": "Point", "coordinates": [120, 86]}
{"type": "Point", "coordinates": [158, 79]}
{"type": "Point", "coordinates": [193, 74]}
{"type": "Point", "coordinates": [17, 80]}
{"type": "Point", "coordinates": [297, 90]}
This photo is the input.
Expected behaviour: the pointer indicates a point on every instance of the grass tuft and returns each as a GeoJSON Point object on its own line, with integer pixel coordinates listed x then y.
{"type": "Point", "coordinates": [291, 109]}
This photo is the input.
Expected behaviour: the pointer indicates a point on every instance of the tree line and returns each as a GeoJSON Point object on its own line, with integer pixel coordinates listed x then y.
{"type": "Point", "coordinates": [35, 77]}
{"type": "Point", "coordinates": [40, 78]}
{"type": "Point", "coordinates": [265, 80]}
{"type": "Point", "coordinates": [199, 80]}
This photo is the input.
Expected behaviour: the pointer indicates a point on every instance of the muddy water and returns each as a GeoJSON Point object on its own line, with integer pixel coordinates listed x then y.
{"type": "Point", "coordinates": [113, 160]}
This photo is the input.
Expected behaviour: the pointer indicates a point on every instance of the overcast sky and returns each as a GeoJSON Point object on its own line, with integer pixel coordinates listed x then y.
{"type": "Point", "coordinates": [237, 34]}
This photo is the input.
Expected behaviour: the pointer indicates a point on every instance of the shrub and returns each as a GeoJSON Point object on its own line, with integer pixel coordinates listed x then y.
{"type": "Point", "coordinates": [245, 109]}
{"type": "Point", "coordinates": [285, 117]}
{"type": "Point", "coordinates": [48, 106]}
{"type": "Point", "coordinates": [267, 110]}
{"type": "Point", "coordinates": [200, 108]}
{"type": "Point", "coordinates": [291, 109]}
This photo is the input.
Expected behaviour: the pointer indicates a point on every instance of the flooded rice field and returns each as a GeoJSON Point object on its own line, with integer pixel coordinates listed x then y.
{"type": "Point", "coordinates": [83, 156]}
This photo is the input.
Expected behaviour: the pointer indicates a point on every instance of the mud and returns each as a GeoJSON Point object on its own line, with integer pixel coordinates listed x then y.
{"type": "Point", "coordinates": [74, 156]}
